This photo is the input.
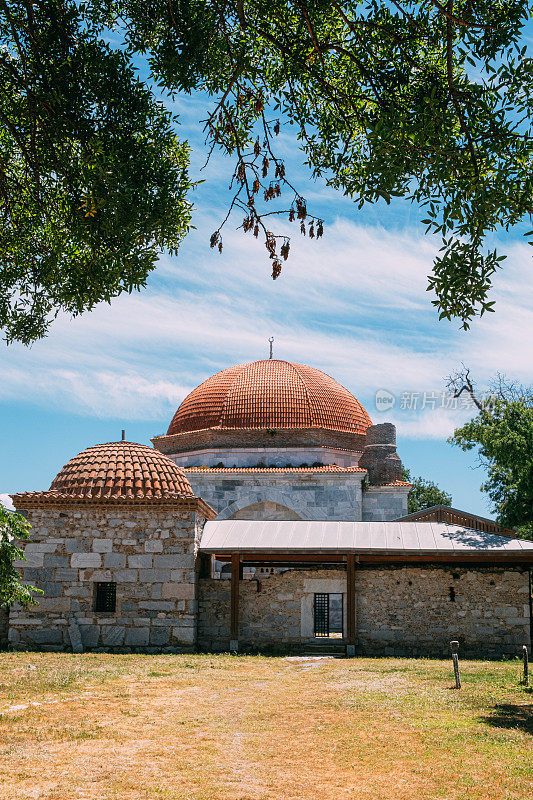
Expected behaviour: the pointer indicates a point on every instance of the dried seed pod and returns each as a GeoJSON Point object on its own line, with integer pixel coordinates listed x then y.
{"type": "Point", "coordinates": [302, 228]}
{"type": "Point", "coordinates": [276, 268]}
{"type": "Point", "coordinates": [255, 186]}
{"type": "Point", "coordinates": [276, 127]}
{"type": "Point", "coordinates": [256, 230]}
{"type": "Point", "coordinates": [214, 239]}
{"type": "Point", "coordinates": [319, 229]}
{"type": "Point", "coordinates": [257, 148]}
{"type": "Point", "coordinates": [270, 243]}
{"type": "Point", "coordinates": [291, 215]}
{"type": "Point", "coordinates": [301, 208]}
{"type": "Point", "coordinates": [311, 230]}
{"type": "Point", "coordinates": [220, 246]}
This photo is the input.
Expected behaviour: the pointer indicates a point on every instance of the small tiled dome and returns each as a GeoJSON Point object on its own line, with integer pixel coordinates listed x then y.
{"type": "Point", "coordinates": [270, 394]}
{"type": "Point", "coordinates": [121, 470]}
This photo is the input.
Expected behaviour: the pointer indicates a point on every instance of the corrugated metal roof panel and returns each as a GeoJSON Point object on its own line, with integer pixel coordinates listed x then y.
{"type": "Point", "coordinates": [328, 536]}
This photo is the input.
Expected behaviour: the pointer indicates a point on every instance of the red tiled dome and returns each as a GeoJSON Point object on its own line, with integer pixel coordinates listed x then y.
{"type": "Point", "coordinates": [121, 470]}
{"type": "Point", "coordinates": [270, 394]}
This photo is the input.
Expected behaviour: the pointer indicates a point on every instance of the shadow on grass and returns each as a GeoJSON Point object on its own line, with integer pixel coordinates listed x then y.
{"type": "Point", "coordinates": [511, 716]}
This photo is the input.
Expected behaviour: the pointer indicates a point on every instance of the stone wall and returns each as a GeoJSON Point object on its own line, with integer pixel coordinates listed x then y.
{"type": "Point", "coordinates": [150, 552]}
{"type": "Point", "coordinates": [419, 610]}
{"type": "Point", "coordinates": [254, 437]}
{"type": "Point", "coordinates": [318, 496]}
{"type": "Point", "coordinates": [400, 610]}
{"type": "Point", "coordinates": [384, 503]}
{"type": "Point", "coordinates": [267, 456]}
{"type": "Point", "coordinates": [379, 456]}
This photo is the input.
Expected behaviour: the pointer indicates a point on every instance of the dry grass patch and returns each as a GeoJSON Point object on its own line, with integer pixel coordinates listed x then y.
{"type": "Point", "coordinates": [103, 727]}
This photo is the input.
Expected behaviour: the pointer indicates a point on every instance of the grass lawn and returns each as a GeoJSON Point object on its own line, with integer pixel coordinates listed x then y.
{"type": "Point", "coordinates": [200, 727]}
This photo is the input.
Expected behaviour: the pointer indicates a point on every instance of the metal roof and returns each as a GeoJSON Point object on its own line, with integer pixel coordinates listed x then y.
{"type": "Point", "coordinates": [256, 536]}
{"type": "Point", "coordinates": [455, 516]}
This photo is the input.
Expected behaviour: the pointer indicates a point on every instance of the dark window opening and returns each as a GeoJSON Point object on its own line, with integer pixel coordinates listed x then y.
{"type": "Point", "coordinates": [452, 594]}
{"type": "Point", "coordinates": [105, 597]}
{"type": "Point", "coordinates": [328, 614]}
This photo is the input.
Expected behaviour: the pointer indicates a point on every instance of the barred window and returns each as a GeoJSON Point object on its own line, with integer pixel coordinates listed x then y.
{"type": "Point", "coordinates": [105, 597]}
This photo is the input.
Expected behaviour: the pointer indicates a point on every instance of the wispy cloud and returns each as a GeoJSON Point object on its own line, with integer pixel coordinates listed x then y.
{"type": "Point", "coordinates": [353, 304]}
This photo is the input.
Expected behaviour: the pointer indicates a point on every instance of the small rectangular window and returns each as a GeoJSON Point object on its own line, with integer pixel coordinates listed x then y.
{"type": "Point", "coordinates": [105, 597]}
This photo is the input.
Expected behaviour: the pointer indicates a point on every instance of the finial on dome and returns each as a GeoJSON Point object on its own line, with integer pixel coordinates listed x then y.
{"type": "Point", "coordinates": [271, 340]}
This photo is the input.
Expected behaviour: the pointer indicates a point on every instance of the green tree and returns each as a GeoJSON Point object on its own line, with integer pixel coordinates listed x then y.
{"type": "Point", "coordinates": [420, 99]}
{"type": "Point", "coordinates": [429, 100]}
{"type": "Point", "coordinates": [502, 433]}
{"type": "Point", "coordinates": [93, 179]}
{"type": "Point", "coordinates": [424, 493]}
{"type": "Point", "coordinates": [13, 529]}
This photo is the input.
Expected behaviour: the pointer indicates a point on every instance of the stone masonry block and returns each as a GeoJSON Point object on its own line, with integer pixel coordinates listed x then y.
{"type": "Point", "coordinates": [112, 635]}
{"type": "Point", "coordinates": [153, 546]}
{"type": "Point", "coordinates": [85, 560]}
{"type": "Point", "coordinates": [46, 636]}
{"type": "Point", "coordinates": [185, 635]}
{"type": "Point", "coordinates": [90, 635]}
{"type": "Point", "coordinates": [102, 545]}
{"type": "Point", "coordinates": [185, 561]}
{"type": "Point", "coordinates": [115, 560]}
{"type": "Point", "coordinates": [137, 637]}
{"type": "Point", "coordinates": [180, 591]}
{"type": "Point", "coordinates": [159, 636]}
{"type": "Point", "coordinates": [143, 561]}
{"type": "Point", "coordinates": [32, 560]}
{"type": "Point", "coordinates": [126, 576]}
{"type": "Point", "coordinates": [52, 560]}
{"type": "Point", "coordinates": [154, 575]}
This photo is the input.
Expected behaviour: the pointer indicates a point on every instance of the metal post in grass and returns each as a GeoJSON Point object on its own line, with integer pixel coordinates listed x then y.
{"type": "Point", "coordinates": [455, 658]}
{"type": "Point", "coordinates": [525, 658]}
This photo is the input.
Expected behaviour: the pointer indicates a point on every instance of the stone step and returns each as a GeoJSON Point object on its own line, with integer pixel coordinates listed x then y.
{"type": "Point", "coordinates": [323, 648]}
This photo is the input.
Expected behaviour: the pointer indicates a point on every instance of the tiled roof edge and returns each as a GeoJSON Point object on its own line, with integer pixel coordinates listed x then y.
{"type": "Point", "coordinates": [23, 500]}
{"type": "Point", "coordinates": [222, 470]}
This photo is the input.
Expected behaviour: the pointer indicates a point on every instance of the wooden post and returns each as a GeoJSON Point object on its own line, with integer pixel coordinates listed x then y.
{"type": "Point", "coordinates": [350, 603]}
{"type": "Point", "coordinates": [525, 680]}
{"type": "Point", "coordinates": [455, 658]}
{"type": "Point", "coordinates": [234, 614]}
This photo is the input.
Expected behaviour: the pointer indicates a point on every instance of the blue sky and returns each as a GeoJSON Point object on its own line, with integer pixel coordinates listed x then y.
{"type": "Point", "coordinates": [353, 304]}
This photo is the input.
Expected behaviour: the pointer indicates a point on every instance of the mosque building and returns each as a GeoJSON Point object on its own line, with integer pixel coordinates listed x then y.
{"type": "Point", "coordinates": [271, 515]}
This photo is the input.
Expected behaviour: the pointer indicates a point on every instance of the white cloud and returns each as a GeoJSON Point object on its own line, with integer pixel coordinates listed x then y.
{"type": "Point", "coordinates": [6, 501]}
{"type": "Point", "coordinates": [353, 304]}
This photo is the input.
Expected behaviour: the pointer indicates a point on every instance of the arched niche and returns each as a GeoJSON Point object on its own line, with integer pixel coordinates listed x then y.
{"type": "Point", "coordinates": [266, 510]}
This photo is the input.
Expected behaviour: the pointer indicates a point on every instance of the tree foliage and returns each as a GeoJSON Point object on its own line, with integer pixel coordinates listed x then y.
{"type": "Point", "coordinates": [93, 179]}
{"type": "Point", "coordinates": [429, 100]}
{"type": "Point", "coordinates": [13, 529]}
{"type": "Point", "coordinates": [502, 433]}
{"type": "Point", "coordinates": [424, 494]}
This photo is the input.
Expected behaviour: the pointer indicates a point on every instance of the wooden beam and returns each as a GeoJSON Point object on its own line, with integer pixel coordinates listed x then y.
{"type": "Point", "coordinates": [234, 612]}
{"type": "Point", "coordinates": [456, 557]}
{"type": "Point", "coordinates": [350, 599]}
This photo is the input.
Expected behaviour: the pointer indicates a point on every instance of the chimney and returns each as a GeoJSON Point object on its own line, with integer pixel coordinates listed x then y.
{"type": "Point", "coordinates": [123, 435]}
{"type": "Point", "coordinates": [380, 458]}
